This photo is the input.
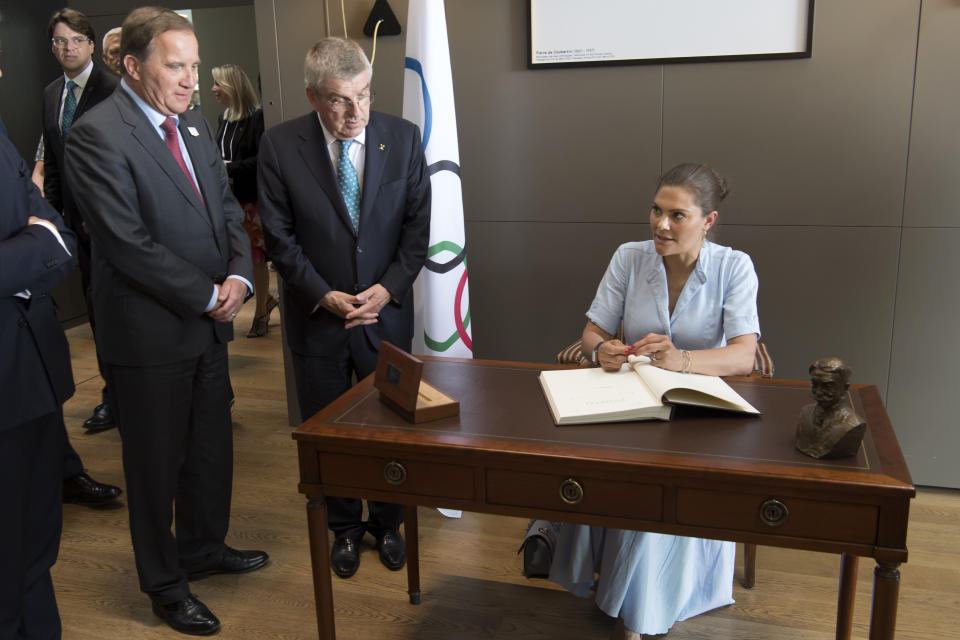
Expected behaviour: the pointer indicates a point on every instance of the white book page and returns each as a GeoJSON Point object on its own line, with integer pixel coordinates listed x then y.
{"type": "Point", "coordinates": [591, 391]}
{"type": "Point", "coordinates": [688, 388]}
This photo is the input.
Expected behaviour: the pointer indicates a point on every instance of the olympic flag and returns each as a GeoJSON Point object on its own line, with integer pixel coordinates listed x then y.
{"type": "Point", "coordinates": [441, 294]}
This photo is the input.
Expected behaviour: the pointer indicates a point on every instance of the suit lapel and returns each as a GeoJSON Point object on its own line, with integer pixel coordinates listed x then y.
{"type": "Point", "coordinates": [88, 89]}
{"type": "Point", "coordinates": [98, 84]}
{"type": "Point", "coordinates": [153, 142]}
{"type": "Point", "coordinates": [201, 162]}
{"type": "Point", "coordinates": [375, 160]}
{"type": "Point", "coordinates": [53, 111]}
{"type": "Point", "coordinates": [313, 150]}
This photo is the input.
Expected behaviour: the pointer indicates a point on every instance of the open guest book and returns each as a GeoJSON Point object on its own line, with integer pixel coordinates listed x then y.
{"type": "Point", "coordinates": [639, 391]}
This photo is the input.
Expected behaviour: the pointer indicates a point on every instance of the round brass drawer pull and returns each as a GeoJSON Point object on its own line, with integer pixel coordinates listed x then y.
{"type": "Point", "coordinates": [773, 512]}
{"type": "Point", "coordinates": [394, 473]}
{"type": "Point", "coordinates": [570, 491]}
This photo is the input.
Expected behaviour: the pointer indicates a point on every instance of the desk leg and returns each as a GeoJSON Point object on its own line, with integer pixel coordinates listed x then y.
{"type": "Point", "coordinates": [320, 560]}
{"type": "Point", "coordinates": [848, 592]}
{"type": "Point", "coordinates": [886, 591]}
{"type": "Point", "coordinates": [411, 528]}
{"type": "Point", "coordinates": [749, 565]}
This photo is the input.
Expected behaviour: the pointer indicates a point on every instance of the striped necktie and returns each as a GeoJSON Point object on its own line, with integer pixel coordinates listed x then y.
{"type": "Point", "coordinates": [348, 183]}
{"type": "Point", "coordinates": [69, 108]}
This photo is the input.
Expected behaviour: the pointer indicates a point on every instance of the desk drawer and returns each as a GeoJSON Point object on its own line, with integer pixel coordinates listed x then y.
{"type": "Point", "coordinates": [410, 477]}
{"type": "Point", "coordinates": [780, 515]}
{"type": "Point", "coordinates": [596, 496]}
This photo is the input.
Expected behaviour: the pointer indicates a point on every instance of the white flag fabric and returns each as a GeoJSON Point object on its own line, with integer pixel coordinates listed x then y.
{"type": "Point", "coordinates": [442, 297]}
{"type": "Point", "coordinates": [441, 294]}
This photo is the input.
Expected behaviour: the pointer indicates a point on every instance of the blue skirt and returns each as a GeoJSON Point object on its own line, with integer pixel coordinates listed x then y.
{"type": "Point", "coordinates": [651, 580]}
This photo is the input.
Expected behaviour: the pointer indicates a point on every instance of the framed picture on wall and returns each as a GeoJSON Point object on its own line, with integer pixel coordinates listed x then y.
{"type": "Point", "coordinates": [573, 33]}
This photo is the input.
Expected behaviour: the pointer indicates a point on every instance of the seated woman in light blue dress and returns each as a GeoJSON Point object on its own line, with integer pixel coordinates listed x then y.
{"type": "Point", "coordinates": [691, 306]}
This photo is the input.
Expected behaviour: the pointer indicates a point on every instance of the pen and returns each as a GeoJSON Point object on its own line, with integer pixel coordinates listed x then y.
{"type": "Point", "coordinates": [632, 347]}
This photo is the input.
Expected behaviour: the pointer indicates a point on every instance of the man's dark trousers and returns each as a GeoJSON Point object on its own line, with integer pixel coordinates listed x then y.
{"type": "Point", "coordinates": [31, 456]}
{"type": "Point", "coordinates": [320, 381]}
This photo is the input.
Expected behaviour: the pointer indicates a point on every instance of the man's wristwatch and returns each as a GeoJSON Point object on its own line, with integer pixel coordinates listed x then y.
{"type": "Point", "coordinates": [595, 347]}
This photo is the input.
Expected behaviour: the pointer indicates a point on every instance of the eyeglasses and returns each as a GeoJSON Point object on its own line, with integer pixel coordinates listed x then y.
{"type": "Point", "coordinates": [77, 41]}
{"type": "Point", "coordinates": [341, 104]}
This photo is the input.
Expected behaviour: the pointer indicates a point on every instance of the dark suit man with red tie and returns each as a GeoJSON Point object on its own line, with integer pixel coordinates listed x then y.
{"type": "Point", "coordinates": [82, 85]}
{"type": "Point", "coordinates": [345, 205]}
{"type": "Point", "coordinates": [35, 254]}
{"type": "Point", "coordinates": [171, 268]}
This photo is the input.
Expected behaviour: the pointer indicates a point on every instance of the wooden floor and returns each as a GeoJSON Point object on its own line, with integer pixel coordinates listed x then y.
{"type": "Point", "coordinates": [471, 580]}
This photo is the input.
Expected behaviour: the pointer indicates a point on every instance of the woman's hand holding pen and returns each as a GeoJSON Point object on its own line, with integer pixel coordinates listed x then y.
{"type": "Point", "coordinates": [612, 354]}
{"type": "Point", "coordinates": [659, 349]}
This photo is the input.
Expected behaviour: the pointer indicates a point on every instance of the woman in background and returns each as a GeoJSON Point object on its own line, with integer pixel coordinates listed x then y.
{"type": "Point", "coordinates": [238, 136]}
{"type": "Point", "coordinates": [691, 306]}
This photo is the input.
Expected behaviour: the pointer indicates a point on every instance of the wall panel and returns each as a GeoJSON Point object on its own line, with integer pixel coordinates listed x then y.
{"type": "Point", "coordinates": [532, 283]}
{"type": "Point", "coordinates": [923, 372]}
{"type": "Point", "coordinates": [921, 401]}
{"type": "Point", "coordinates": [818, 141]}
{"type": "Point", "coordinates": [286, 29]}
{"type": "Point", "coordinates": [28, 66]}
{"type": "Point", "coordinates": [824, 291]}
{"type": "Point", "coordinates": [572, 145]}
{"type": "Point", "coordinates": [931, 198]}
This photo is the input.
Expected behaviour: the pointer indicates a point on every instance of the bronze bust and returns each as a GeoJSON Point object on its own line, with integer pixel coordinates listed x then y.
{"type": "Point", "coordinates": [829, 428]}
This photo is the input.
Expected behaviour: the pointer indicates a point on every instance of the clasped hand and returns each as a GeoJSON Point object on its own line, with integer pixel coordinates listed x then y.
{"type": "Point", "coordinates": [613, 353]}
{"type": "Point", "coordinates": [363, 308]}
{"type": "Point", "coordinates": [230, 296]}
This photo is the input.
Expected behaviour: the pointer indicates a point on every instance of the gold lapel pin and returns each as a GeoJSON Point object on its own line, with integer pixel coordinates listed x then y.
{"type": "Point", "coordinates": [383, 147]}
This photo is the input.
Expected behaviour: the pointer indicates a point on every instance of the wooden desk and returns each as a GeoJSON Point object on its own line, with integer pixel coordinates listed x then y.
{"type": "Point", "coordinates": [703, 474]}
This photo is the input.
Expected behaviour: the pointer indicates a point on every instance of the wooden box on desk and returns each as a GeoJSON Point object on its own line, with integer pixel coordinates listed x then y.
{"type": "Point", "coordinates": [398, 379]}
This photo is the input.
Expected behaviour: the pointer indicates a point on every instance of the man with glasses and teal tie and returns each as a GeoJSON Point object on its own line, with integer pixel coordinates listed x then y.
{"type": "Point", "coordinates": [81, 85]}
{"type": "Point", "coordinates": [345, 206]}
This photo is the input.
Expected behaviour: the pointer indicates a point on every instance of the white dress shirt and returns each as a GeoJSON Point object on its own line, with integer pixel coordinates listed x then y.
{"type": "Point", "coordinates": [356, 151]}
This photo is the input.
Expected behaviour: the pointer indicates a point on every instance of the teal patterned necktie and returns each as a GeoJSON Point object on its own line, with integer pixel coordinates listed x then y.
{"type": "Point", "coordinates": [69, 108]}
{"type": "Point", "coordinates": [348, 183]}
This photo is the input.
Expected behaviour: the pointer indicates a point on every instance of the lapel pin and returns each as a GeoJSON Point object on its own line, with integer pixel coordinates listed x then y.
{"type": "Point", "coordinates": [193, 131]}
{"type": "Point", "coordinates": [383, 147]}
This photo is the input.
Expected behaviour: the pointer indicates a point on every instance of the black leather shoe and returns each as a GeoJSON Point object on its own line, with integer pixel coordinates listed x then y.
{"type": "Point", "coordinates": [232, 561]}
{"type": "Point", "coordinates": [345, 557]}
{"type": "Point", "coordinates": [101, 420]}
{"type": "Point", "coordinates": [82, 489]}
{"type": "Point", "coordinates": [188, 616]}
{"type": "Point", "coordinates": [393, 550]}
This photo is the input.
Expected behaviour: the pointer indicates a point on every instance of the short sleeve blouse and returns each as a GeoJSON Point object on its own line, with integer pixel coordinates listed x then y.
{"type": "Point", "coordinates": [718, 301]}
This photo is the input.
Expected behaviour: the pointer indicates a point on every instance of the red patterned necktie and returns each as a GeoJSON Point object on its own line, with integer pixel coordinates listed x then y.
{"type": "Point", "coordinates": [169, 127]}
